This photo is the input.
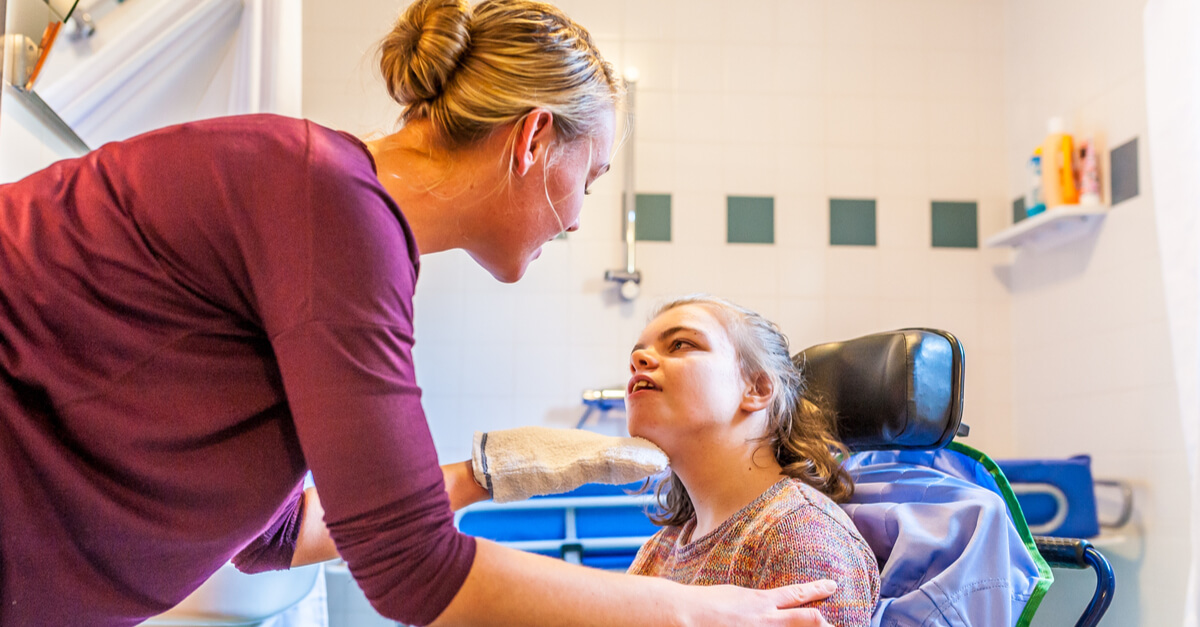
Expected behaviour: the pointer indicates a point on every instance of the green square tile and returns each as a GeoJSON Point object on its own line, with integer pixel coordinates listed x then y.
{"type": "Point", "coordinates": [1124, 166]}
{"type": "Point", "coordinates": [1018, 210]}
{"type": "Point", "coordinates": [851, 222]}
{"type": "Point", "coordinates": [653, 218]}
{"type": "Point", "coordinates": [750, 220]}
{"type": "Point", "coordinates": [955, 225]}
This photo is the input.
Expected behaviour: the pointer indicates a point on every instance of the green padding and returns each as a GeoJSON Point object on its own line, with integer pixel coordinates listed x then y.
{"type": "Point", "coordinates": [1014, 508]}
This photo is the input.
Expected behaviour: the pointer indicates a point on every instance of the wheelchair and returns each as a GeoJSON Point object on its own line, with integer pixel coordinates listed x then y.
{"type": "Point", "coordinates": [950, 536]}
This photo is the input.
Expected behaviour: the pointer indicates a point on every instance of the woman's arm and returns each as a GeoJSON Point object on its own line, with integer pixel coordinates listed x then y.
{"type": "Point", "coordinates": [314, 544]}
{"type": "Point", "coordinates": [509, 587]}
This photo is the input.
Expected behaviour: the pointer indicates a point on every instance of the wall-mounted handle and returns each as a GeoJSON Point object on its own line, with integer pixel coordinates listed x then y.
{"type": "Point", "coordinates": [629, 278]}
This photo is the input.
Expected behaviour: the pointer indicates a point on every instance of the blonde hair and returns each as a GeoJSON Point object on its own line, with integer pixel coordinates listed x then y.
{"type": "Point", "coordinates": [470, 69]}
{"type": "Point", "coordinates": [802, 436]}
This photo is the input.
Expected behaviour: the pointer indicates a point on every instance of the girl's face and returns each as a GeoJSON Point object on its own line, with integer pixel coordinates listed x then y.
{"type": "Point", "coordinates": [686, 382]}
{"type": "Point", "coordinates": [545, 202]}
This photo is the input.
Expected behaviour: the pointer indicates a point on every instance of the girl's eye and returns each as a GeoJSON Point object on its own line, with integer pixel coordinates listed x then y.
{"type": "Point", "coordinates": [678, 344]}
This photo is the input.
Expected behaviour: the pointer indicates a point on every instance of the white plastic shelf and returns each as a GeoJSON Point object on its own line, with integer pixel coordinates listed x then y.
{"type": "Point", "coordinates": [1050, 228]}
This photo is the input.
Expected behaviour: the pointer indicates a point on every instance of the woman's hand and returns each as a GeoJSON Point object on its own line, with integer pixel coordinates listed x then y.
{"type": "Point", "coordinates": [730, 605]}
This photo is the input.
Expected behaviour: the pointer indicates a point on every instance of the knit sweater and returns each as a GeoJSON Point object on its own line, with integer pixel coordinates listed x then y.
{"type": "Point", "coordinates": [790, 534]}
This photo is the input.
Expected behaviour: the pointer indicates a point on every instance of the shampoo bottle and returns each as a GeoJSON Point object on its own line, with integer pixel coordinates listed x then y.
{"type": "Point", "coordinates": [1058, 167]}
{"type": "Point", "coordinates": [1089, 173]}
{"type": "Point", "coordinates": [1034, 204]}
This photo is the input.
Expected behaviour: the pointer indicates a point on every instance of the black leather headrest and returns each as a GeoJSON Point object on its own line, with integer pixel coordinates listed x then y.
{"type": "Point", "coordinates": [896, 390]}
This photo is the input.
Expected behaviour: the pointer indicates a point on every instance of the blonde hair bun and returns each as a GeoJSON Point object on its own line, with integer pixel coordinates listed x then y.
{"type": "Point", "coordinates": [426, 47]}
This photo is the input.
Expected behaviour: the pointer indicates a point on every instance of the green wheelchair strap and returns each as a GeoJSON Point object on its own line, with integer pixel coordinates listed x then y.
{"type": "Point", "coordinates": [1046, 577]}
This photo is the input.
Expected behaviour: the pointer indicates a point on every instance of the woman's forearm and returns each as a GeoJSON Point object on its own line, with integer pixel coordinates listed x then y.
{"type": "Point", "coordinates": [508, 587]}
{"type": "Point", "coordinates": [314, 544]}
{"type": "Point", "coordinates": [461, 485]}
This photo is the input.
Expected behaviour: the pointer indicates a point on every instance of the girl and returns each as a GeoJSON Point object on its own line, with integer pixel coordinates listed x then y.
{"type": "Point", "coordinates": [751, 500]}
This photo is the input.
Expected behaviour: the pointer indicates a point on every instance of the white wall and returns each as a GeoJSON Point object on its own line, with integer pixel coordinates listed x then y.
{"type": "Point", "coordinates": [153, 63]}
{"type": "Point", "coordinates": [27, 143]}
{"type": "Point", "coordinates": [1092, 361]}
{"type": "Point", "coordinates": [1172, 41]}
{"type": "Point", "coordinates": [899, 101]}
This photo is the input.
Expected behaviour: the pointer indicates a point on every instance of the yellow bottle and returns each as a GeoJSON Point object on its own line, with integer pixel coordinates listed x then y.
{"type": "Point", "coordinates": [1058, 167]}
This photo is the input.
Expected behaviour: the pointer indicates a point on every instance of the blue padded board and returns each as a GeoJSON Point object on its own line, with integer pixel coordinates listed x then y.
{"type": "Point", "coordinates": [1073, 476]}
{"type": "Point", "coordinates": [550, 524]}
{"type": "Point", "coordinates": [609, 522]}
{"type": "Point", "coordinates": [515, 525]}
{"type": "Point", "coordinates": [609, 560]}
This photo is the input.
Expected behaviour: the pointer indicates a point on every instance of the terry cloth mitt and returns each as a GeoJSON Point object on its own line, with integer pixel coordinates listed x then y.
{"type": "Point", "coordinates": [515, 464]}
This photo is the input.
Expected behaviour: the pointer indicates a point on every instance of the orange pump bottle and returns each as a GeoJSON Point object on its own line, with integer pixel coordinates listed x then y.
{"type": "Point", "coordinates": [1058, 167]}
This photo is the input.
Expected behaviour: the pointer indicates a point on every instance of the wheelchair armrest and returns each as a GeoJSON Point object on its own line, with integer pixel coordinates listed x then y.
{"type": "Point", "coordinates": [1080, 554]}
{"type": "Point", "coordinates": [895, 390]}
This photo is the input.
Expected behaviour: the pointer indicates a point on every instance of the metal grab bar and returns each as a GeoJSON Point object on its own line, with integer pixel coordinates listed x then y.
{"type": "Point", "coordinates": [629, 277]}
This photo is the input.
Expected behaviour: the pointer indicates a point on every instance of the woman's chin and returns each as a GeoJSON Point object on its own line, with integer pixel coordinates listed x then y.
{"type": "Point", "coordinates": [506, 272]}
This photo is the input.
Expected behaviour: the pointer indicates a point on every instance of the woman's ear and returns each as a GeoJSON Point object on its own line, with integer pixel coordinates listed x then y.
{"type": "Point", "coordinates": [535, 135]}
{"type": "Point", "coordinates": [758, 393]}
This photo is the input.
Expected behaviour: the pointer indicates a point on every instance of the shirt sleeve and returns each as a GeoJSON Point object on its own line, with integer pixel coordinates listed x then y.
{"type": "Point", "coordinates": [347, 368]}
{"type": "Point", "coordinates": [273, 550]}
{"type": "Point", "coordinates": [282, 226]}
{"type": "Point", "coordinates": [806, 546]}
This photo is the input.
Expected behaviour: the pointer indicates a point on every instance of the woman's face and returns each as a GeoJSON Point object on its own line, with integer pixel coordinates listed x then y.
{"type": "Point", "coordinates": [686, 382]}
{"type": "Point", "coordinates": [545, 202]}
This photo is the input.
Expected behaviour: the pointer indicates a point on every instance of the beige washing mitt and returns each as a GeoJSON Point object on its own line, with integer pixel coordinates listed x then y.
{"type": "Point", "coordinates": [515, 464]}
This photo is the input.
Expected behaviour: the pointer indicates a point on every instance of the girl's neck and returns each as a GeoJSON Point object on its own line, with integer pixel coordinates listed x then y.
{"type": "Point", "coordinates": [725, 481]}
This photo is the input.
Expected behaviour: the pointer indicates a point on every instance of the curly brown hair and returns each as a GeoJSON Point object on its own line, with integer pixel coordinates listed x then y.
{"type": "Point", "coordinates": [801, 434]}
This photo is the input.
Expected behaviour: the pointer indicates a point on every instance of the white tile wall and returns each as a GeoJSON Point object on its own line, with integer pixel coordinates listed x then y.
{"type": "Point", "coordinates": [26, 143]}
{"type": "Point", "coordinates": [799, 99]}
{"type": "Point", "coordinates": [1090, 353]}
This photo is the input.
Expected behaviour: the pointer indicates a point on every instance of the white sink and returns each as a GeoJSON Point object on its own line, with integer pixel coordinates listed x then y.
{"type": "Point", "coordinates": [231, 597]}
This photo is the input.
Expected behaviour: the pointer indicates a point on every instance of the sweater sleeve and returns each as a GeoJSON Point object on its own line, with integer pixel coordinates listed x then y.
{"type": "Point", "coordinates": [808, 545]}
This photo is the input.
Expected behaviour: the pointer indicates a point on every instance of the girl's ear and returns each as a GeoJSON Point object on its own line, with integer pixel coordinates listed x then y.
{"type": "Point", "coordinates": [535, 134]}
{"type": "Point", "coordinates": [758, 393]}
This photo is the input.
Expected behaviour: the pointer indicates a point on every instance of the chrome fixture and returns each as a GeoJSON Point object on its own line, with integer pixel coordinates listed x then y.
{"type": "Point", "coordinates": [629, 277]}
{"type": "Point", "coordinates": [603, 401]}
{"type": "Point", "coordinates": [82, 26]}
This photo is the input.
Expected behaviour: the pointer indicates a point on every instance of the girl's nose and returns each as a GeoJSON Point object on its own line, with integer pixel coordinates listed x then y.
{"type": "Point", "coordinates": [642, 359]}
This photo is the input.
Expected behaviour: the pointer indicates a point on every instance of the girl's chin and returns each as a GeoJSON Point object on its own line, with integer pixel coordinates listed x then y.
{"type": "Point", "coordinates": [638, 431]}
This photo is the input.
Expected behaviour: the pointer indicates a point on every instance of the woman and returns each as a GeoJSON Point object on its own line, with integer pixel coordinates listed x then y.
{"type": "Point", "coordinates": [751, 496]}
{"type": "Point", "coordinates": [194, 317]}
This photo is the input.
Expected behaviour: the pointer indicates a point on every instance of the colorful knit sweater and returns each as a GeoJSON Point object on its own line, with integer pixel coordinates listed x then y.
{"type": "Point", "coordinates": [790, 534]}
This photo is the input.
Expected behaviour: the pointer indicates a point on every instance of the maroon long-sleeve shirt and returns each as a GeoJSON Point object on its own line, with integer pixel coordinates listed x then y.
{"type": "Point", "coordinates": [189, 320]}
